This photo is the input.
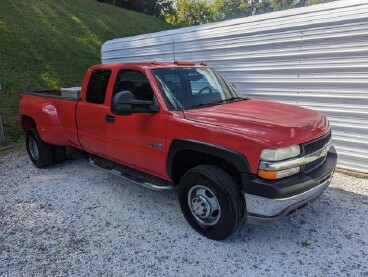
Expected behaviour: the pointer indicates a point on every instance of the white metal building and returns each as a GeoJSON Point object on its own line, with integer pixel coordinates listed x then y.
{"type": "Point", "coordinates": [316, 57]}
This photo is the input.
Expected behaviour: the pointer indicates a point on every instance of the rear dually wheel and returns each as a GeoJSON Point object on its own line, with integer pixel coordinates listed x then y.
{"type": "Point", "coordinates": [40, 153]}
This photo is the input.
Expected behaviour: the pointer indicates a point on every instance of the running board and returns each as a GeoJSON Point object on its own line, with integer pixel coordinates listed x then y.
{"type": "Point", "coordinates": [132, 175]}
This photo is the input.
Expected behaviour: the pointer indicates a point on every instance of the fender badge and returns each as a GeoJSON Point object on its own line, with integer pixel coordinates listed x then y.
{"type": "Point", "coordinates": [156, 146]}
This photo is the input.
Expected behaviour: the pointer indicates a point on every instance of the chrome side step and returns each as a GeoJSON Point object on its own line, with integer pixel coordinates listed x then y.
{"type": "Point", "coordinates": [132, 175]}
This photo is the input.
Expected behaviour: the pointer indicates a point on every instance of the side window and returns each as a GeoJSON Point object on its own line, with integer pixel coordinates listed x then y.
{"type": "Point", "coordinates": [135, 82]}
{"type": "Point", "coordinates": [97, 86]}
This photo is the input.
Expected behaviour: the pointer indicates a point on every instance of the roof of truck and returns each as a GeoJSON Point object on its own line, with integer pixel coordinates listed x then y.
{"type": "Point", "coordinates": [155, 64]}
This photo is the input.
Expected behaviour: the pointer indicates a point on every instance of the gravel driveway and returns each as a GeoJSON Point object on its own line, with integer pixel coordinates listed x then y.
{"type": "Point", "coordinates": [73, 219]}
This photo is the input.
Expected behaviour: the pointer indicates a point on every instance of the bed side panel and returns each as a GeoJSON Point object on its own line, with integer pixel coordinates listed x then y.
{"type": "Point", "coordinates": [54, 118]}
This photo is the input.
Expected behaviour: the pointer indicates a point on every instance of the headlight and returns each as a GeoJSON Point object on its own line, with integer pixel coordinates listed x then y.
{"type": "Point", "coordinates": [274, 156]}
{"type": "Point", "coordinates": [280, 153]}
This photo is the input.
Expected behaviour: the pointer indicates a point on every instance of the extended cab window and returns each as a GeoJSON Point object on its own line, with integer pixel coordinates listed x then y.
{"type": "Point", "coordinates": [97, 85]}
{"type": "Point", "coordinates": [135, 82]}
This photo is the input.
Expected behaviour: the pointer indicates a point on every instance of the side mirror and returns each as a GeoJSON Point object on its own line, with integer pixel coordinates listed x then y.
{"type": "Point", "coordinates": [124, 103]}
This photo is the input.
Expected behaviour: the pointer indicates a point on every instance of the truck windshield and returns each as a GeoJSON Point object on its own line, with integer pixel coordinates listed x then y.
{"type": "Point", "coordinates": [189, 88]}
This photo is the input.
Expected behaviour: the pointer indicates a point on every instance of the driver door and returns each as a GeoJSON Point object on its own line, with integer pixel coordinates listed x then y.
{"type": "Point", "coordinates": [137, 140]}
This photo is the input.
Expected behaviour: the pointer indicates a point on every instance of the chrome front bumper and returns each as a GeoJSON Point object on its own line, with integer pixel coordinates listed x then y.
{"type": "Point", "coordinates": [271, 200]}
{"type": "Point", "coordinates": [262, 210]}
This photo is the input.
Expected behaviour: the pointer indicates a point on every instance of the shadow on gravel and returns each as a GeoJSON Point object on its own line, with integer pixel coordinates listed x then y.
{"type": "Point", "coordinates": [323, 219]}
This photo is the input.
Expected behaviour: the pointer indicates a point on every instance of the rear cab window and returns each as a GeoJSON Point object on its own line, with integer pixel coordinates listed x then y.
{"type": "Point", "coordinates": [97, 85]}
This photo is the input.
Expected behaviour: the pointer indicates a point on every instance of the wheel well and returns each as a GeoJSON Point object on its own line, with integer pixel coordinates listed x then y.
{"type": "Point", "coordinates": [187, 159]}
{"type": "Point", "coordinates": [27, 123]}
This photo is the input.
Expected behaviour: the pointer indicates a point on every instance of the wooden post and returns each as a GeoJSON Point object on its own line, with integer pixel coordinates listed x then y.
{"type": "Point", "coordinates": [2, 137]}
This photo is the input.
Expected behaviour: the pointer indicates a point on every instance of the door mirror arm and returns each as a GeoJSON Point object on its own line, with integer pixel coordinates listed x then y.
{"type": "Point", "coordinates": [154, 107]}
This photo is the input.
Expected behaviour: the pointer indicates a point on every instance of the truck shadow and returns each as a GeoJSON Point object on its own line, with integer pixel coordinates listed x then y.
{"type": "Point", "coordinates": [337, 213]}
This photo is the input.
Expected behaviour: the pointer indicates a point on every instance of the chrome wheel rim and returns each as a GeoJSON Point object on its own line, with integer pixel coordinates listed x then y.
{"type": "Point", "coordinates": [33, 148]}
{"type": "Point", "coordinates": [204, 205]}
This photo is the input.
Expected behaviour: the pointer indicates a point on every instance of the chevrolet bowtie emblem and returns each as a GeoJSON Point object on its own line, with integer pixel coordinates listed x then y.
{"type": "Point", "coordinates": [325, 150]}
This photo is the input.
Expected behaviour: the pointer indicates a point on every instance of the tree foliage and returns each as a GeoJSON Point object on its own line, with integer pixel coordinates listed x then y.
{"type": "Point", "coordinates": [227, 9]}
{"type": "Point", "coordinates": [152, 7]}
{"type": "Point", "coordinates": [194, 12]}
{"type": "Point", "coordinates": [189, 12]}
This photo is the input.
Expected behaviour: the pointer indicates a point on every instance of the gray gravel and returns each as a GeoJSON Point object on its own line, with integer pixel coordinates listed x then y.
{"type": "Point", "coordinates": [75, 220]}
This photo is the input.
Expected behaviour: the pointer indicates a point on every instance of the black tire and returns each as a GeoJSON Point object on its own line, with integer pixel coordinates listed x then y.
{"type": "Point", "coordinates": [45, 156]}
{"type": "Point", "coordinates": [229, 197]}
{"type": "Point", "coordinates": [59, 154]}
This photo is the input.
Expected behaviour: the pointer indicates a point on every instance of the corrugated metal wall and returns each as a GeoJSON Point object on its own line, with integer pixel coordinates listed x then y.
{"type": "Point", "coordinates": [316, 57]}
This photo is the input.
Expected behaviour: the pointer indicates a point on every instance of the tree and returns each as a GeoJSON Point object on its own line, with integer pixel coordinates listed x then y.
{"type": "Point", "coordinates": [189, 12]}
{"type": "Point", "coordinates": [194, 12]}
{"type": "Point", "coordinates": [151, 7]}
{"type": "Point", "coordinates": [312, 2]}
{"type": "Point", "coordinates": [228, 9]}
{"type": "Point", "coordinates": [277, 5]}
{"type": "Point", "coordinates": [166, 7]}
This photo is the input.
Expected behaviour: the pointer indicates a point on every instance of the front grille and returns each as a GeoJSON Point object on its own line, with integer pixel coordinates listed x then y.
{"type": "Point", "coordinates": [315, 145]}
{"type": "Point", "coordinates": [313, 165]}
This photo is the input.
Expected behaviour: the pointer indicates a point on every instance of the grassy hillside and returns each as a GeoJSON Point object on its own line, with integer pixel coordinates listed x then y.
{"type": "Point", "coordinates": [50, 43]}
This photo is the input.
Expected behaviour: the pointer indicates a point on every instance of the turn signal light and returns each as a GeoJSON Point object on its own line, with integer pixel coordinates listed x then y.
{"type": "Point", "coordinates": [267, 174]}
{"type": "Point", "coordinates": [278, 174]}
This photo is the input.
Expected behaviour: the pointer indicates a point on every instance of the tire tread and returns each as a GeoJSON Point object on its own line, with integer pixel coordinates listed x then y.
{"type": "Point", "coordinates": [46, 154]}
{"type": "Point", "coordinates": [228, 186]}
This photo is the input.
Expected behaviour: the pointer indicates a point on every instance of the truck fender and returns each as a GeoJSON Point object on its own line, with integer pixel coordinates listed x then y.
{"type": "Point", "coordinates": [236, 158]}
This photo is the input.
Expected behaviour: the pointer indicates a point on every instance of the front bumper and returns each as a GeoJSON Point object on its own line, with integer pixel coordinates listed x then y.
{"type": "Point", "coordinates": [271, 200]}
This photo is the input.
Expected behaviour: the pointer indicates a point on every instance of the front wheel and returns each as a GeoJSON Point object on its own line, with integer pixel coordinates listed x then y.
{"type": "Point", "coordinates": [211, 201]}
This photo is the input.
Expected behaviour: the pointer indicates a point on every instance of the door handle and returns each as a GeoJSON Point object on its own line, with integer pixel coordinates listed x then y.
{"type": "Point", "coordinates": [110, 118]}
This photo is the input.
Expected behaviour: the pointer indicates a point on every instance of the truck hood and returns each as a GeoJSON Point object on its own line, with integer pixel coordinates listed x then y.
{"type": "Point", "coordinates": [275, 123]}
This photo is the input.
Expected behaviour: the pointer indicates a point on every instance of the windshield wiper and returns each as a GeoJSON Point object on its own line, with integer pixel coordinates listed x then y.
{"type": "Point", "coordinates": [228, 100]}
{"type": "Point", "coordinates": [231, 99]}
{"type": "Point", "coordinates": [234, 98]}
{"type": "Point", "coordinates": [201, 105]}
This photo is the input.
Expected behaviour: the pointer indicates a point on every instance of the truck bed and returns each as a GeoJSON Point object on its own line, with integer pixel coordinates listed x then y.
{"type": "Point", "coordinates": [54, 114]}
{"type": "Point", "coordinates": [63, 93]}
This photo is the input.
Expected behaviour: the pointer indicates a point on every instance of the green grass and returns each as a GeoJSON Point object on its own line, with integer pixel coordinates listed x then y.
{"type": "Point", "coordinates": [51, 43]}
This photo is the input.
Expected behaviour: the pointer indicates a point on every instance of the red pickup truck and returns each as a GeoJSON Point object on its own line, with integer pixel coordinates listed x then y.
{"type": "Point", "coordinates": [182, 125]}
